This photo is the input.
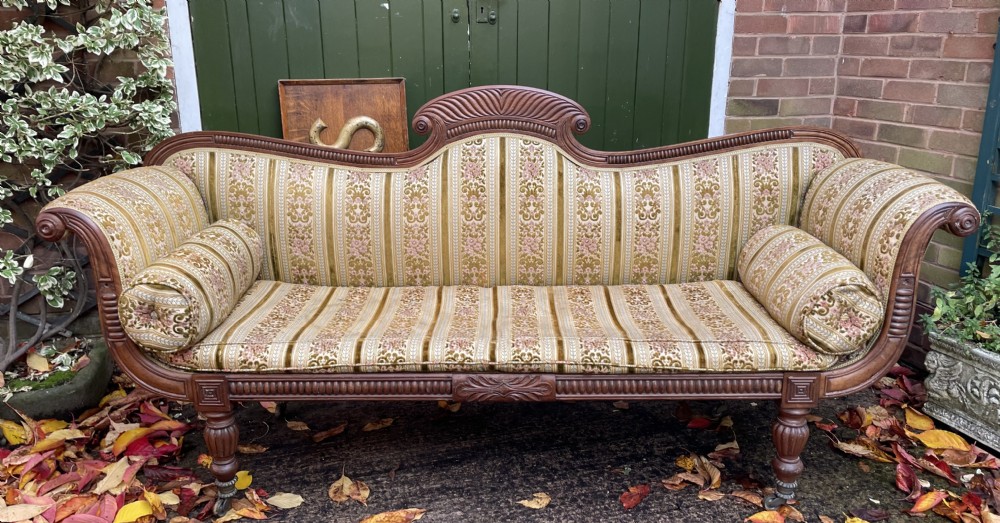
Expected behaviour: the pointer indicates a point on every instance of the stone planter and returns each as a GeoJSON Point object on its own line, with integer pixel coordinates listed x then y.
{"type": "Point", "coordinates": [963, 389]}
{"type": "Point", "coordinates": [85, 390]}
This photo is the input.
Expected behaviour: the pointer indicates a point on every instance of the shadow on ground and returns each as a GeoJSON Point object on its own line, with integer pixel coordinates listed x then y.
{"type": "Point", "coordinates": [474, 464]}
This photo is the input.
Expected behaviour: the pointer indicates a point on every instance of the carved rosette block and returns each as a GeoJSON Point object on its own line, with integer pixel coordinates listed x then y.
{"type": "Point", "coordinates": [963, 389]}
{"type": "Point", "coordinates": [499, 387]}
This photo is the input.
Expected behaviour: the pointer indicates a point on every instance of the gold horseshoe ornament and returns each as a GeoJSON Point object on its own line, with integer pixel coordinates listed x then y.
{"type": "Point", "coordinates": [347, 132]}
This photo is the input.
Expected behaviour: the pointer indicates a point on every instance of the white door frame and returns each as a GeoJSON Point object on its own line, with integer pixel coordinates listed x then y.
{"type": "Point", "coordinates": [185, 77]}
{"type": "Point", "coordinates": [722, 64]}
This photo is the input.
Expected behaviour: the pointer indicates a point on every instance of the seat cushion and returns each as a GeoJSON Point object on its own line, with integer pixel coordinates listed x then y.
{"type": "Point", "coordinates": [183, 296]}
{"type": "Point", "coordinates": [703, 326]}
{"type": "Point", "coordinates": [811, 290]}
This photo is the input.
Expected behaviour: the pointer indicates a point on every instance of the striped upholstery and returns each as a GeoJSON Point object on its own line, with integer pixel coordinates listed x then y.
{"type": "Point", "coordinates": [863, 209]}
{"type": "Point", "coordinates": [505, 209]}
{"type": "Point", "coordinates": [178, 299]}
{"type": "Point", "coordinates": [811, 290]}
{"type": "Point", "coordinates": [704, 326]}
{"type": "Point", "coordinates": [145, 213]}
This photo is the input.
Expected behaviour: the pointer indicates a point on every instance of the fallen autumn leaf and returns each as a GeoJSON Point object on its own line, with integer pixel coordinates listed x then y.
{"type": "Point", "coordinates": [539, 500]}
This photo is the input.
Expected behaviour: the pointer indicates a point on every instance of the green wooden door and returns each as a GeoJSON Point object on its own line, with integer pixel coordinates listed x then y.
{"type": "Point", "coordinates": [641, 68]}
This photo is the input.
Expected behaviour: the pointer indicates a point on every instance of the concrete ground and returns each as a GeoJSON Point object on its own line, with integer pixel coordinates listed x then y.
{"type": "Point", "coordinates": [474, 464]}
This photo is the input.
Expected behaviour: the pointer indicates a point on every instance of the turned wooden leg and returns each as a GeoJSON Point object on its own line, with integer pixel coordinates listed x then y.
{"type": "Point", "coordinates": [222, 436]}
{"type": "Point", "coordinates": [790, 433]}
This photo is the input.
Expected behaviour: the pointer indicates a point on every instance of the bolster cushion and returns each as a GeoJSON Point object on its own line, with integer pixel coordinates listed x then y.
{"type": "Point", "coordinates": [176, 301]}
{"type": "Point", "coordinates": [814, 292]}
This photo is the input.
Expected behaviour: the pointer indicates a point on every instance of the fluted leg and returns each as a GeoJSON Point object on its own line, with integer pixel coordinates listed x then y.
{"type": "Point", "coordinates": [790, 433]}
{"type": "Point", "coordinates": [222, 436]}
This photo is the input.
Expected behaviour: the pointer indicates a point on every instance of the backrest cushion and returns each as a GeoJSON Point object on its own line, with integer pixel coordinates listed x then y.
{"type": "Point", "coordinates": [505, 209]}
{"type": "Point", "coordinates": [180, 298]}
{"type": "Point", "coordinates": [811, 290]}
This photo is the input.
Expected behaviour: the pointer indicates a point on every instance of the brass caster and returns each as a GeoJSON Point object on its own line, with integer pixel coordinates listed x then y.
{"type": "Point", "coordinates": [227, 490]}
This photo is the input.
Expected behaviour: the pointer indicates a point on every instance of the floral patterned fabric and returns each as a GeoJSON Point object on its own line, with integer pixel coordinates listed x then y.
{"type": "Point", "coordinates": [178, 299]}
{"type": "Point", "coordinates": [703, 326]}
{"type": "Point", "coordinates": [144, 213]}
{"type": "Point", "coordinates": [811, 290]}
{"type": "Point", "coordinates": [505, 209]}
{"type": "Point", "coordinates": [863, 209]}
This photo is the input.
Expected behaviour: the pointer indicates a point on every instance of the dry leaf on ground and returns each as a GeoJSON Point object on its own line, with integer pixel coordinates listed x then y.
{"type": "Point", "coordinates": [539, 500]}
{"type": "Point", "coordinates": [675, 482]}
{"type": "Point", "coordinates": [298, 426]}
{"type": "Point", "coordinates": [940, 439]}
{"type": "Point", "coordinates": [21, 512]}
{"type": "Point", "coordinates": [320, 436]}
{"type": "Point", "coordinates": [243, 479]}
{"type": "Point", "coordinates": [928, 501]}
{"type": "Point", "coordinates": [918, 420]}
{"type": "Point", "coordinates": [709, 471]}
{"type": "Point", "coordinates": [749, 496]}
{"type": "Point", "coordinates": [791, 513]}
{"type": "Point", "coordinates": [285, 500]}
{"type": "Point", "coordinates": [251, 448]}
{"type": "Point", "coordinates": [620, 405]}
{"type": "Point", "coordinates": [450, 406]}
{"type": "Point", "coordinates": [767, 516]}
{"type": "Point", "coordinates": [377, 425]}
{"type": "Point", "coordinates": [710, 495]}
{"type": "Point", "coordinates": [345, 488]}
{"type": "Point", "coordinates": [396, 516]}
{"type": "Point", "coordinates": [686, 462]}
{"type": "Point", "coordinates": [633, 496]}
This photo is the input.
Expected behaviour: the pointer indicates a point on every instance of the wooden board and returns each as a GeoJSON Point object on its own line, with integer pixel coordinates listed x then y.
{"type": "Point", "coordinates": [339, 100]}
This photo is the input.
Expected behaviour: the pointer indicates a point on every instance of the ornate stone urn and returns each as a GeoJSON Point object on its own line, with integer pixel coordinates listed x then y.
{"type": "Point", "coordinates": [963, 388]}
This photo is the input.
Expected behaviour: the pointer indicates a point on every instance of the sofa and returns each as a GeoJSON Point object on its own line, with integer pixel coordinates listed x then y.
{"type": "Point", "coordinates": [502, 260]}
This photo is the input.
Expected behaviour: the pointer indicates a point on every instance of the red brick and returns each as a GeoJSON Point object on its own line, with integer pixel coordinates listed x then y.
{"type": "Point", "coordinates": [892, 22]}
{"type": "Point", "coordinates": [855, 23]}
{"type": "Point", "coordinates": [949, 70]}
{"type": "Point", "coordinates": [783, 45]}
{"type": "Point", "coordinates": [855, 128]}
{"type": "Point", "coordinates": [924, 92]}
{"type": "Point", "coordinates": [974, 3]}
{"type": "Point", "coordinates": [804, 6]}
{"type": "Point", "coordinates": [759, 24]}
{"type": "Point", "coordinates": [849, 66]}
{"type": "Point", "coordinates": [879, 110]}
{"type": "Point", "coordinates": [866, 45]}
{"type": "Point", "coordinates": [749, 6]}
{"type": "Point", "coordinates": [741, 87]}
{"type": "Point", "coordinates": [813, 24]}
{"type": "Point", "coordinates": [822, 85]}
{"type": "Point", "coordinates": [902, 134]}
{"type": "Point", "coordinates": [752, 107]}
{"type": "Point", "coordinates": [988, 22]}
{"type": "Point", "coordinates": [782, 87]}
{"type": "Point", "coordinates": [922, 4]}
{"type": "Point", "coordinates": [810, 66]}
{"type": "Point", "coordinates": [955, 142]}
{"type": "Point", "coordinates": [844, 106]}
{"type": "Point", "coordinates": [970, 96]}
{"type": "Point", "coordinates": [979, 73]}
{"type": "Point", "coordinates": [818, 121]}
{"type": "Point", "coordinates": [744, 45]}
{"type": "Point", "coordinates": [935, 115]}
{"type": "Point", "coordinates": [751, 67]}
{"type": "Point", "coordinates": [859, 87]}
{"type": "Point", "coordinates": [737, 125]}
{"type": "Point", "coordinates": [870, 5]}
{"type": "Point", "coordinates": [973, 121]}
{"type": "Point", "coordinates": [969, 46]}
{"type": "Point", "coordinates": [947, 22]}
{"type": "Point", "coordinates": [878, 151]}
{"type": "Point", "coordinates": [886, 67]}
{"type": "Point", "coordinates": [826, 45]}
{"type": "Point", "coordinates": [804, 106]}
{"type": "Point", "coordinates": [915, 46]}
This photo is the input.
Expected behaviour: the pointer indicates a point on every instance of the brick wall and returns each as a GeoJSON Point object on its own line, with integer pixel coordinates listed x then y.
{"type": "Point", "coordinates": [906, 79]}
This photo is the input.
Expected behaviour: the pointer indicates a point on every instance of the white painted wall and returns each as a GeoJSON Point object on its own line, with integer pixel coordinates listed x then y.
{"type": "Point", "coordinates": [720, 74]}
{"type": "Point", "coordinates": [185, 78]}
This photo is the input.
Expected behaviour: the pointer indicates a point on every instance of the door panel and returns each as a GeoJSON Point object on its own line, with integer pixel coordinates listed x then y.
{"type": "Point", "coordinates": [641, 68]}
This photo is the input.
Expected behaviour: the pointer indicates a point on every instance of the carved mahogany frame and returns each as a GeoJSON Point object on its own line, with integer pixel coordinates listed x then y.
{"type": "Point", "coordinates": [545, 115]}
